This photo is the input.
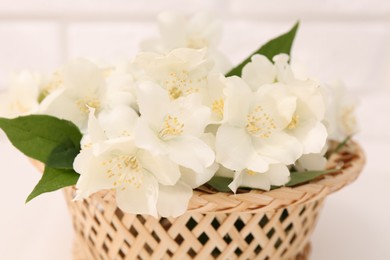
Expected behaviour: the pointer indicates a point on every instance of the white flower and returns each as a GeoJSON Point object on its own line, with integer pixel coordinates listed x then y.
{"type": "Point", "coordinates": [214, 97]}
{"type": "Point", "coordinates": [185, 72]}
{"type": "Point", "coordinates": [340, 117]}
{"type": "Point", "coordinates": [181, 72]}
{"type": "Point", "coordinates": [144, 183]}
{"type": "Point", "coordinates": [196, 179]}
{"type": "Point", "coordinates": [312, 161]}
{"type": "Point", "coordinates": [173, 200]}
{"type": "Point", "coordinates": [22, 95]}
{"type": "Point", "coordinates": [83, 86]}
{"type": "Point", "coordinates": [137, 177]}
{"type": "Point", "coordinates": [173, 128]}
{"type": "Point", "coordinates": [277, 175]}
{"type": "Point", "coordinates": [258, 72]}
{"type": "Point", "coordinates": [200, 31]}
{"type": "Point", "coordinates": [253, 134]}
{"type": "Point", "coordinates": [121, 80]}
{"type": "Point", "coordinates": [306, 124]}
{"type": "Point", "coordinates": [50, 84]}
{"type": "Point", "coordinates": [177, 31]}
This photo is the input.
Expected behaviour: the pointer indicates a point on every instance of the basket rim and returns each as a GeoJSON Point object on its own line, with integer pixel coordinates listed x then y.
{"type": "Point", "coordinates": [351, 160]}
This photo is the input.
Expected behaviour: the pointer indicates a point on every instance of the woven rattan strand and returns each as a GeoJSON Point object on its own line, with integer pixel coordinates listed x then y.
{"type": "Point", "coordinates": [275, 224]}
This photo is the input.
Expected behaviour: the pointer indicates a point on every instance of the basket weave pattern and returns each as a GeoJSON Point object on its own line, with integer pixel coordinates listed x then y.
{"type": "Point", "coordinates": [250, 225]}
{"type": "Point", "coordinates": [280, 233]}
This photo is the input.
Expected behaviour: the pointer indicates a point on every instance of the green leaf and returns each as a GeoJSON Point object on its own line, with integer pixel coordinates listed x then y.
{"type": "Point", "coordinates": [220, 183]}
{"type": "Point", "coordinates": [281, 44]}
{"type": "Point", "coordinates": [63, 155]}
{"type": "Point", "coordinates": [38, 136]}
{"type": "Point", "coordinates": [342, 144]}
{"type": "Point", "coordinates": [336, 148]}
{"type": "Point", "coordinates": [54, 179]}
{"type": "Point", "coordinates": [301, 177]}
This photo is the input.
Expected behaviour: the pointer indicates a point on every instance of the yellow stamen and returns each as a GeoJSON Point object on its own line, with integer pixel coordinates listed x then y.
{"type": "Point", "coordinates": [180, 84]}
{"type": "Point", "coordinates": [54, 82]}
{"type": "Point", "coordinates": [260, 123]}
{"type": "Point", "coordinates": [250, 172]}
{"type": "Point", "coordinates": [217, 107]}
{"type": "Point", "coordinates": [84, 103]}
{"type": "Point", "coordinates": [126, 169]}
{"type": "Point", "coordinates": [171, 127]}
{"type": "Point", "coordinates": [294, 122]}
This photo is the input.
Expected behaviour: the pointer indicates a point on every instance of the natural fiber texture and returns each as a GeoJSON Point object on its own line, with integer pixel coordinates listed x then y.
{"type": "Point", "coordinates": [253, 225]}
{"type": "Point", "coordinates": [249, 225]}
{"type": "Point", "coordinates": [104, 232]}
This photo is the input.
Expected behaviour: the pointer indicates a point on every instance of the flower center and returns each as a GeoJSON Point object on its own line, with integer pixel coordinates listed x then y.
{"type": "Point", "coordinates": [217, 107]}
{"type": "Point", "coordinates": [260, 123]}
{"type": "Point", "coordinates": [125, 169]}
{"type": "Point", "coordinates": [171, 127]}
{"type": "Point", "coordinates": [179, 84]}
{"type": "Point", "coordinates": [293, 123]}
{"type": "Point", "coordinates": [250, 172]}
{"type": "Point", "coordinates": [52, 85]}
{"type": "Point", "coordinates": [84, 103]}
{"type": "Point", "coordinates": [196, 43]}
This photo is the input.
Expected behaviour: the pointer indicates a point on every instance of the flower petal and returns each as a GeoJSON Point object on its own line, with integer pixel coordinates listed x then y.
{"type": "Point", "coordinates": [142, 200]}
{"type": "Point", "coordinates": [124, 145]}
{"type": "Point", "coordinates": [259, 71]}
{"type": "Point", "coordinates": [278, 174]}
{"type": "Point", "coordinates": [145, 138]}
{"type": "Point", "coordinates": [311, 162]}
{"type": "Point", "coordinates": [194, 116]}
{"type": "Point", "coordinates": [82, 77]}
{"type": "Point", "coordinates": [173, 200]}
{"type": "Point", "coordinates": [237, 181]}
{"type": "Point", "coordinates": [277, 102]}
{"type": "Point", "coordinates": [312, 139]}
{"type": "Point", "coordinates": [196, 179]}
{"type": "Point", "coordinates": [283, 69]}
{"type": "Point", "coordinates": [238, 101]}
{"type": "Point", "coordinates": [118, 121]}
{"type": "Point", "coordinates": [153, 103]}
{"type": "Point", "coordinates": [60, 104]}
{"type": "Point", "coordinates": [95, 131]}
{"type": "Point", "coordinates": [234, 150]}
{"type": "Point", "coordinates": [190, 152]}
{"type": "Point", "coordinates": [165, 171]}
{"type": "Point", "coordinates": [279, 146]}
{"type": "Point", "coordinates": [92, 176]}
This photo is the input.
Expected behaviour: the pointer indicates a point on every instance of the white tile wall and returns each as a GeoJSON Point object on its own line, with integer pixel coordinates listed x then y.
{"type": "Point", "coordinates": [352, 51]}
{"type": "Point", "coordinates": [108, 40]}
{"type": "Point", "coordinates": [337, 39]}
{"type": "Point", "coordinates": [316, 10]}
{"type": "Point", "coordinates": [28, 44]}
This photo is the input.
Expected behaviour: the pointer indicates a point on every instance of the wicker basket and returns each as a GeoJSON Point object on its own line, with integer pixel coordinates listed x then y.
{"type": "Point", "coordinates": [249, 225]}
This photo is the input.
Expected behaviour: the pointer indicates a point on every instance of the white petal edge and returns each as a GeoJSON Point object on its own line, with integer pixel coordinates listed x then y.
{"type": "Point", "coordinates": [142, 200]}
{"type": "Point", "coordinates": [173, 200]}
{"type": "Point", "coordinates": [165, 171]}
{"type": "Point", "coordinates": [190, 152]}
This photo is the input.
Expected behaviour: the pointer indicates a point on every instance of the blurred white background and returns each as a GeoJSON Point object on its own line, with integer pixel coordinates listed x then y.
{"type": "Point", "coordinates": [347, 40]}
